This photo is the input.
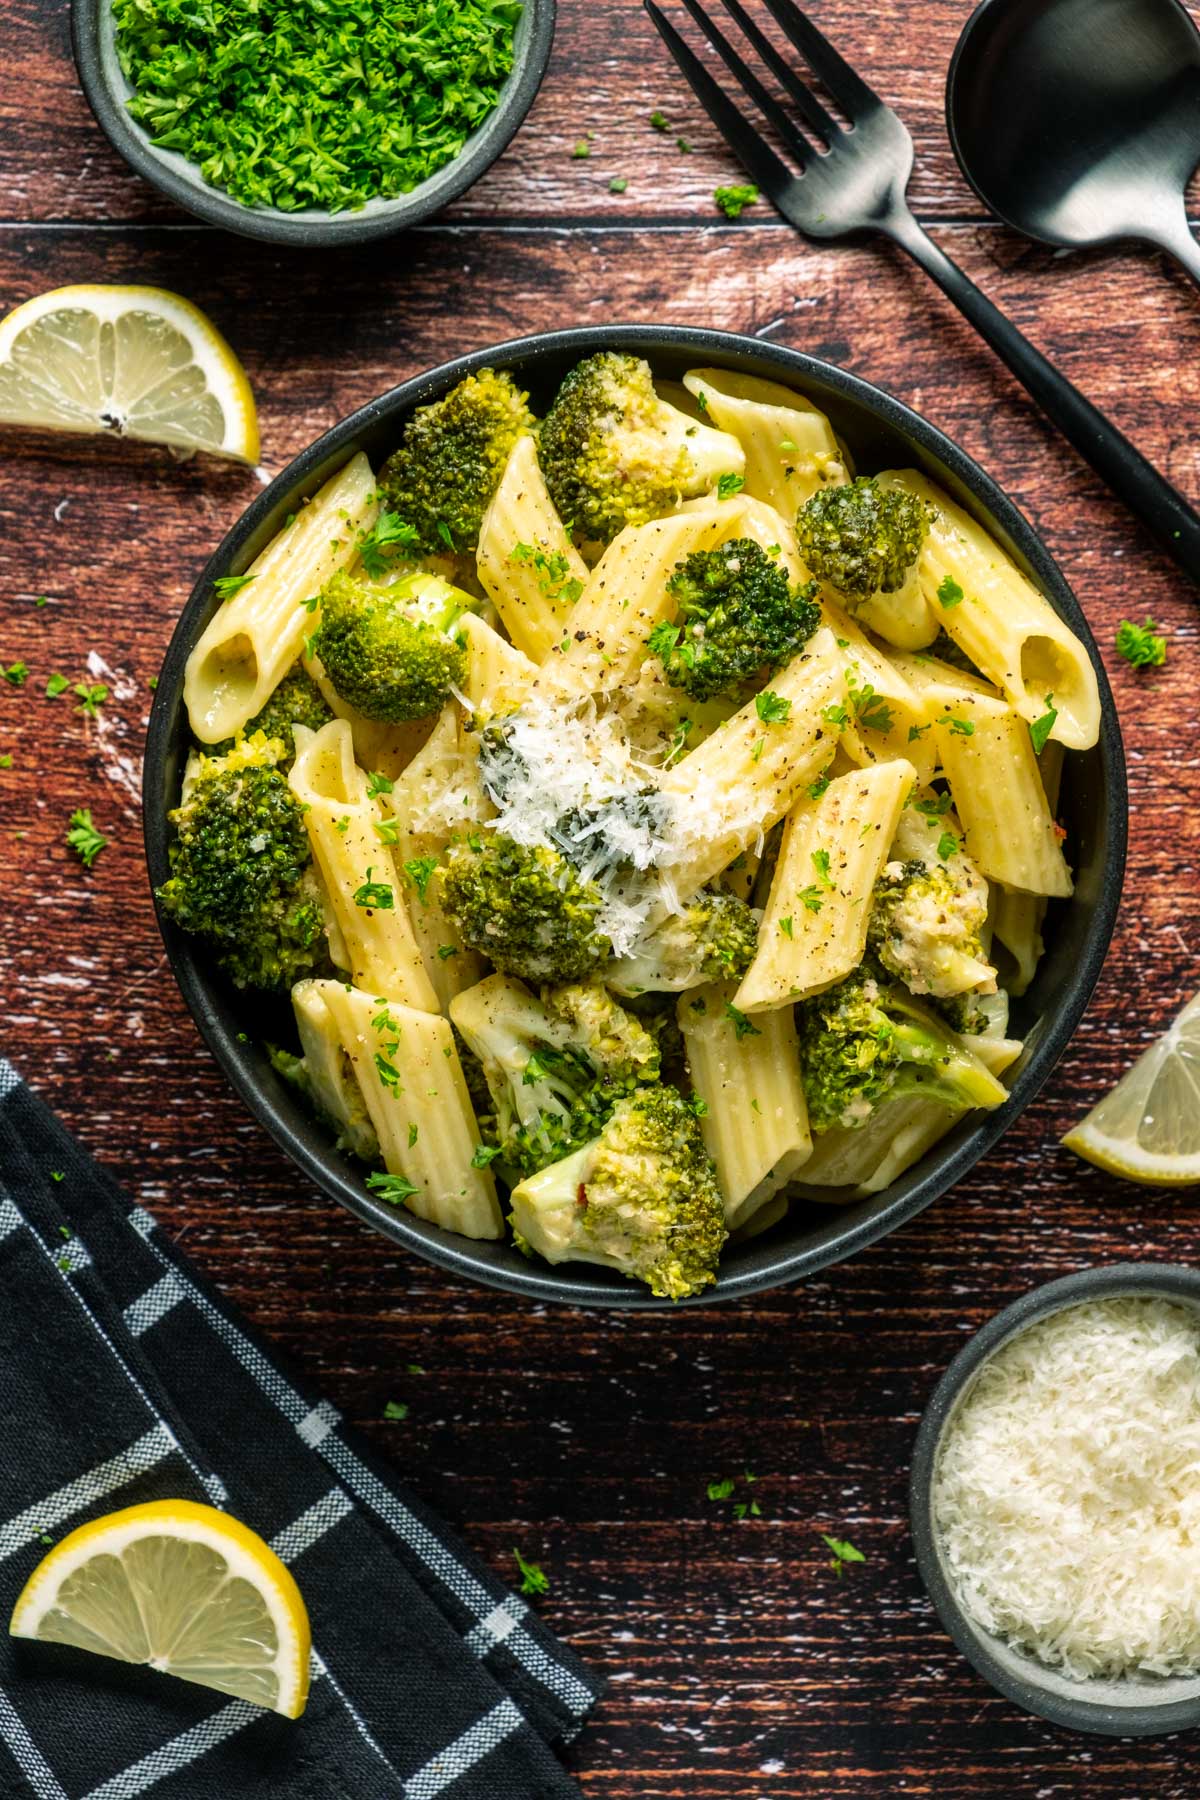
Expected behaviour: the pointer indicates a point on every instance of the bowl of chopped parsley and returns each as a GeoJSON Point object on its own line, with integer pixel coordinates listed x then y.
{"type": "Point", "coordinates": [298, 122]}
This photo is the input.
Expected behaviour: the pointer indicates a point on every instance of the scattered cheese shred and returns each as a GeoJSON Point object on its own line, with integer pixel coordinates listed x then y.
{"type": "Point", "coordinates": [1067, 1491]}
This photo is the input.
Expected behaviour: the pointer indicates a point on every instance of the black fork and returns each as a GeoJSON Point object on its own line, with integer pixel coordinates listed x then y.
{"type": "Point", "coordinates": [847, 179]}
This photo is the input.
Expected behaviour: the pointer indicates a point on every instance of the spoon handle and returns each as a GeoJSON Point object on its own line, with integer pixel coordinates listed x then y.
{"type": "Point", "coordinates": [1161, 508]}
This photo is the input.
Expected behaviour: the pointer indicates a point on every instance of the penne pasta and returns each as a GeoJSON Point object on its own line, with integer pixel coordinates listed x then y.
{"type": "Point", "coordinates": [1012, 635]}
{"type": "Point", "coordinates": [790, 447]}
{"type": "Point", "coordinates": [498, 674]}
{"type": "Point", "coordinates": [255, 637]}
{"type": "Point", "coordinates": [814, 929]}
{"type": "Point", "coordinates": [412, 1083]}
{"type": "Point", "coordinates": [350, 848]}
{"type": "Point", "coordinates": [851, 1164]}
{"type": "Point", "coordinates": [746, 1074]}
{"type": "Point", "coordinates": [885, 716]}
{"type": "Point", "coordinates": [745, 777]}
{"type": "Point", "coordinates": [328, 1071]}
{"type": "Point", "coordinates": [527, 564]}
{"type": "Point", "coordinates": [986, 755]}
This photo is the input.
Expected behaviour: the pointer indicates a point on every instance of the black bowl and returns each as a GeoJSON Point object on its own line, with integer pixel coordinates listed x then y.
{"type": "Point", "coordinates": [1126, 1708]}
{"type": "Point", "coordinates": [93, 39]}
{"type": "Point", "coordinates": [881, 433]}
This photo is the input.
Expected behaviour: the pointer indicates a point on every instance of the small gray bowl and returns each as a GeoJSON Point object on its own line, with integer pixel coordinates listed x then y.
{"type": "Point", "coordinates": [1132, 1707]}
{"type": "Point", "coordinates": [93, 37]}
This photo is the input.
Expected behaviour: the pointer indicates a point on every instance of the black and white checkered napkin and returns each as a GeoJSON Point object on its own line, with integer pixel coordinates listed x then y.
{"type": "Point", "coordinates": [125, 1378]}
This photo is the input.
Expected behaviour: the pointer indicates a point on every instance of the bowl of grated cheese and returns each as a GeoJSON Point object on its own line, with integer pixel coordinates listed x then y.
{"type": "Point", "coordinates": [1055, 1500]}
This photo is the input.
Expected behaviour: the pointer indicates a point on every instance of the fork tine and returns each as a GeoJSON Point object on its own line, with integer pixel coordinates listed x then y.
{"type": "Point", "coordinates": [799, 146]}
{"type": "Point", "coordinates": [759, 160]}
{"type": "Point", "coordinates": [848, 89]}
{"type": "Point", "coordinates": [806, 101]}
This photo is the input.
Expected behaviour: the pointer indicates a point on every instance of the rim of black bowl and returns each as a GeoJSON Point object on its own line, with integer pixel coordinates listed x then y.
{"type": "Point", "coordinates": [246, 1066]}
{"type": "Point", "coordinates": [1064, 1702]}
{"type": "Point", "coordinates": [106, 91]}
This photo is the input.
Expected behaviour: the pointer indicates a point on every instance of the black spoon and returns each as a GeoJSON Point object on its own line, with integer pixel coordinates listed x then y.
{"type": "Point", "coordinates": [1078, 121]}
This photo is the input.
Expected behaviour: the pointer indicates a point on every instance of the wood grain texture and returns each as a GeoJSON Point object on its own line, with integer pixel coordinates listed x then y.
{"type": "Point", "coordinates": [742, 1669]}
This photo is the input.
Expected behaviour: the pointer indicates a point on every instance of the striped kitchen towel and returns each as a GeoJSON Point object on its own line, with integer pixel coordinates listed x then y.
{"type": "Point", "coordinates": [124, 1377]}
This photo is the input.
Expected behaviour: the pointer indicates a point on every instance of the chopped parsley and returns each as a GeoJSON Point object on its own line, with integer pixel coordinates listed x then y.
{"type": "Point", "coordinates": [812, 899]}
{"type": "Point", "coordinates": [83, 837]}
{"type": "Point", "coordinates": [870, 709]}
{"type": "Point", "coordinates": [419, 870]}
{"type": "Point", "coordinates": [949, 592]}
{"type": "Point", "coordinates": [484, 1154]}
{"type": "Point", "coordinates": [820, 862]}
{"type": "Point", "coordinates": [679, 738]}
{"type": "Point", "coordinates": [303, 105]}
{"type": "Point", "coordinates": [947, 845]}
{"type": "Point", "coordinates": [56, 685]}
{"type": "Point", "coordinates": [772, 709]}
{"type": "Point", "coordinates": [728, 485]}
{"type": "Point", "coordinates": [725, 1489]}
{"type": "Point", "coordinates": [6, 761]}
{"type": "Point", "coordinates": [659, 120]}
{"type": "Point", "coordinates": [618, 184]}
{"type": "Point", "coordinates": [835, 715]}
{"type": "Point", "coordinates": [1040, 728]}
{"type": "Point", "coordinates": [843, 1552]}
{"type": "Point", "coordinates": [533, 1579]}
{"type": "Point", "coordinates": [16, 674]}
{"type": "Point", "coordinates": [785, 925]}
{"type": "Point", "coordinates": [386, 830]}
{"type": "Point", "coordinates": [395, 1410]}
{"type": "Point", "coordinates": [916, 732]}
{"type": "Point", "coordinates": [556, 580]}
{"type": "Point", "coordinates": [91, 696]}
{"type": "Point", "coordinates": [961, 727]}
{"type": "Point", "coordinates": [1142, 646]}
{"type": "Point", "coordinates": [389, 533]}
{"type": "Point", "coordinates": [378, 784]}
{"type": "Point", "coordinates": [733, 201]}
{"type": "Point", "coordinates": [818, 787]}
{"type": "Point", "coordinates": [742, 1026]}
{"type": "Point", "coordinates": [392, 1188]}
{"type": "Point", "coordinates": [226, 586]}
{"type": "Point", "coordinates": [583, 147]}
{"type": "Point", "coordinates": [377, 894]}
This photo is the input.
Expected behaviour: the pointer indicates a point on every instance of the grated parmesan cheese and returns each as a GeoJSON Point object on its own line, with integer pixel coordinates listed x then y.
{"type": "Point", "coordinates": [1066, 1496]}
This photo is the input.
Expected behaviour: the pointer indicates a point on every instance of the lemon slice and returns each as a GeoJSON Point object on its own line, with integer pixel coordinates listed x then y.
{"type": "Point", "coordinates": [136, 361]}
{"type": "Point", "coordinates": [182, 1587]}
{"type": "Point", "coordinates": [1148, 1128]}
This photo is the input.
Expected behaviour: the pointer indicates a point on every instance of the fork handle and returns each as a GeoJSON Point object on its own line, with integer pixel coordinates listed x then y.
{"type": "Point", "coordinates": [1151, 498]}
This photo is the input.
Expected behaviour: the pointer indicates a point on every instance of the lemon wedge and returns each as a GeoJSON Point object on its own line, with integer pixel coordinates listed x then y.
{"type": "Point", "coordinates": [183, 1588]}
{"type": "Point", "coordinates": [1148, 1128]}
{"type": "Point", "coordinates": [136, 361]}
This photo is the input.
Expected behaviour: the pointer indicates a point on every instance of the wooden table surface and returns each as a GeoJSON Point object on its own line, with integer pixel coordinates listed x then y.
{"type": "Point", "coordinates": [741, 1667]}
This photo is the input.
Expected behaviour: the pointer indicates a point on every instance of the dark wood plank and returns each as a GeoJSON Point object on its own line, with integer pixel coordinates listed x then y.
{"type": "Point", "coordinates": [742, 1668]}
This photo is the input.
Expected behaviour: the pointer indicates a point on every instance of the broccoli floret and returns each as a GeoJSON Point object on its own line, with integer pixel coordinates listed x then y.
{"type": "Point", "coordinates": [554, 1067]}
{"type": "Point", "coordinates": [523, 906]}
{"type": "Point", "coordinates": [926, 926]}
{"type": "Point", "coordinates": [296, 701]}
{"type": "Point", "coordinates": [451, 458]}
{"type": "Point", "coordinates": [241, 869]}
{"type": "Point", "coordinates": [737, 617]}
{"type": "Point", "coordinates": [614, 454]}
{"type": "Point", "coordinates": [642, 1197]}
{"type": "Point", "coordinates": [393, 652]}
{"type": "Point", "coordinates": [866, 1040]}
{"type": "Point", "coordinates": [713, 940]}
{"type": "Point", "coordinates": [860, 538]}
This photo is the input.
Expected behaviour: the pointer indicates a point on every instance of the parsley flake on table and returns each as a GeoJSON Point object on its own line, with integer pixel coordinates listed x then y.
{"type": "Point", "coordinates": [6, 761]}
{"type": "Point", "coordinates": [618, 184]}
{"type": "Point", "coordinates": [533, 1578]}
{"type": "Point", "coordinates": [395, 1410]}
{"type": "Point", "coordinates": [56, 685]}
{"type": "Point", "coordinates": [83, 837]}
{"type": "Point", "coordinates": [659, 120]}
{"type": "Point", "coordinates": [843, 1552]}
{"type": "Point", "coordinates": [16, 674]}
{"type": "Point", "coordinates": [91, 696]}
{"type": "Point", "coordinates": [733, 201]}
{"type": "Point", "coordinates": [1142, 646]}
{"type": "Point", "coordinates": [300, 104]}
